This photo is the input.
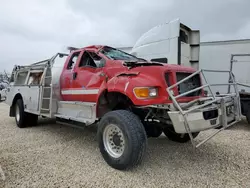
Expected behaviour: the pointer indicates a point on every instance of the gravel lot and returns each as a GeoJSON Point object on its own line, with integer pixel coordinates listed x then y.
{"type": "Point", "coordinates": [52, 155]}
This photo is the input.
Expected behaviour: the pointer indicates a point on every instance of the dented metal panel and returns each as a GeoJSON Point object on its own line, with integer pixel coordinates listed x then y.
{"type": "Point", "coordinates": [77, 111]}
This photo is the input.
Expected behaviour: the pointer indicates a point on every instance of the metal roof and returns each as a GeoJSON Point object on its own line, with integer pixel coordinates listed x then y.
{"type": "Point", "coordinates": [222, 42]}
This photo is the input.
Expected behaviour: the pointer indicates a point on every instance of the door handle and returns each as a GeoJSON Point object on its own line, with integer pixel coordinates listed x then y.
{"type": "Point", "coordinates": [74, 75]}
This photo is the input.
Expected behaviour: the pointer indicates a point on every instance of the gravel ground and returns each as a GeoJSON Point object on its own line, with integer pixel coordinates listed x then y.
{"type": "Point", "coordinates": [52, 155]}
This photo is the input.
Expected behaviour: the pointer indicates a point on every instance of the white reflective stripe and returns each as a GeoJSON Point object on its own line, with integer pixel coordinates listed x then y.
{"type": "Point", "coordinates": [79, 91]}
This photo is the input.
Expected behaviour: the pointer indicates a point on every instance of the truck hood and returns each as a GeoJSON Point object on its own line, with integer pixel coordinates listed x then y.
{"type": "Point", "coordinates": [123, 68]}
{"type": "Point", "coordinates": [156, 66]}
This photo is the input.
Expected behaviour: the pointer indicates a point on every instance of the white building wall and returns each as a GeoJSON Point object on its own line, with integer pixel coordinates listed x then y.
{"type": "Point", "coordinates": [217, 54]}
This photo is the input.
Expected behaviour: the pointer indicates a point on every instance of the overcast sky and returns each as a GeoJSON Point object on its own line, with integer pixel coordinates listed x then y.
{"type": "Point", "coordinates": [32, 30]}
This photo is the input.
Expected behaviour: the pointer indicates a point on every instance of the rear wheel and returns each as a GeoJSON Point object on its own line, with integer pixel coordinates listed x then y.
{"type": "Point", "coordinates": [176, 137]}
{"type": "Point", "coordinates": [32, 119]}
{"type": "Point", "coordinates": [155, 132]}
{"type": "Point", "coordinates": [24, 119]}
{"type": "Point", "coordinates": [152, 129]}
{"type": "Point", "coordinates": [122, 139]}
{"type": "Point", "coordinates": [20, 115]}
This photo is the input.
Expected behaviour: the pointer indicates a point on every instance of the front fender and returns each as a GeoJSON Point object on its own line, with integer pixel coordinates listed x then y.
{"type": "Point", "coordinates": [126, 85]}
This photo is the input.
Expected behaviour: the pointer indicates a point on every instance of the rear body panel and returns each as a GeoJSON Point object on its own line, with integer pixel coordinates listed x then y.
{"type": "Point", "coordinates": [30, 95]}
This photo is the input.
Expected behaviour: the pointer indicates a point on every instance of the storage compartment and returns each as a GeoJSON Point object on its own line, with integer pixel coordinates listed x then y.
{"type": "Point", "coordinates": [21, 78]}
{"type": "Point", "coordinates": [35, 77]}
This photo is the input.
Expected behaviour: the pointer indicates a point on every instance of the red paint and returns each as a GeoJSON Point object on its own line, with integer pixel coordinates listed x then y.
{"type": "Point", "coordinates": [91, 78]}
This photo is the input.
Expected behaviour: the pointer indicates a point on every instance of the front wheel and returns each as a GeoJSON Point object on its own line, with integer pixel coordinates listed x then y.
{"type": "Point", "coordinates": [176, 137]}
{"type": "Point", "coordinates": [122, 139]}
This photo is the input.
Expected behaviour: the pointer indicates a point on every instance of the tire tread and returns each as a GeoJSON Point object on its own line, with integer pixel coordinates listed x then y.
{"type": "Point", "coordinates": [138, 137]}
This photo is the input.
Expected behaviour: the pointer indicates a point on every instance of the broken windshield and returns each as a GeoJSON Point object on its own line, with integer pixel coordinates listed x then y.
{"type": "Point", "coordinates": [116, 54]}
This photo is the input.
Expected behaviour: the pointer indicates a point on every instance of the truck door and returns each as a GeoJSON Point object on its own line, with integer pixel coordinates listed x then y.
{"type": "Point", "coordinates": [88, 77]}
{"type": "Point", "coordinates": [66, 79]}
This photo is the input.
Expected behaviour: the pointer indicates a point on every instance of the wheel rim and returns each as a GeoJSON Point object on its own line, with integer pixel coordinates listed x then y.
{"type": "Point", "coordinates": [113, 140]}
{"type": "Point", "coordinates": [17, 113]}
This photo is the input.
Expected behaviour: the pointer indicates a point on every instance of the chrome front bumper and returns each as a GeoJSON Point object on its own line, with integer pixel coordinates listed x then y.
{"type": "Point", "coordinates": [216, 115]}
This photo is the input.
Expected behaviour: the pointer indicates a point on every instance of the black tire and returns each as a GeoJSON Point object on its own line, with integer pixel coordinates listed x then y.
{"type": "Point", "coordinates": [176, 137]}
{"type": "Point", "coordinates": [25, 119]}
{"type": "Point", "coordinates": [20, 115]}
{"type": "Point", "coordinates": [134, 136]}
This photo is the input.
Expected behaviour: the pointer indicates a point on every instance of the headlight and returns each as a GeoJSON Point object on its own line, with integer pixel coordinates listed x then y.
{"type": "Point", "coordinates": [145, 92]}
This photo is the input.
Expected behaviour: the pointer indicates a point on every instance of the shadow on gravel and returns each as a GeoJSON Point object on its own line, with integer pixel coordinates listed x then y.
{"type": "Point", "coordinates": [163, 153]}
{"type": "Point", "coordinates": [160, 151]}
{"type": "Point", "coordinates": [65, 131]}
{"type": "Point", "coordinates": [46, 121]}
{"type": "Point", "coordinates": [242, 125]}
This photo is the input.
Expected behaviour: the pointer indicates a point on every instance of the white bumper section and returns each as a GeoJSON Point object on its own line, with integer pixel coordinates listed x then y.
{"type": "Point", "coordinates": [197, 121]}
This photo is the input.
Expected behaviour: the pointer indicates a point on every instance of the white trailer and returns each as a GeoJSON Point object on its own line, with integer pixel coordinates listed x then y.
{"type": "Point", "coordinates": [218, 55]}
{"type": "Point", "coordinates": [233, 55]}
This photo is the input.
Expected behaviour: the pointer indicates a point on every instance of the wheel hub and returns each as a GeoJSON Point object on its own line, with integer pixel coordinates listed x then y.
{"type": "Point", "coordinates": [116, 139]}
{"type": "Point", "coordinates": [113, 140]}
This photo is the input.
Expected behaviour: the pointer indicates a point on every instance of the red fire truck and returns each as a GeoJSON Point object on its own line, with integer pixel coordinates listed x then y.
{"type": "Point", "coordinates": [128, 98]}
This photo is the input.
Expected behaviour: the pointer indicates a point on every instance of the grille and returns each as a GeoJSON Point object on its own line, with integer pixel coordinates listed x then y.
{"type": "Point", "coordinates": [189, 84]}
{"type": "Point", "coordinates": [167, 79]}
